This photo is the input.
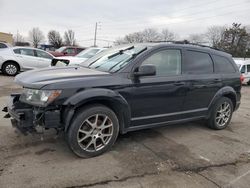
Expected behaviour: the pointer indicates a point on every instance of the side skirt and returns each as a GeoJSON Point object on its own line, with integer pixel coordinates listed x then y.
{"type": "Point", "coordinates": [161, 124]}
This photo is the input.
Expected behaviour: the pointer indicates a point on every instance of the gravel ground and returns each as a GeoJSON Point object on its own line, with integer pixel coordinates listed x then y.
{"type": "Point", "coordinates": [184, 155]}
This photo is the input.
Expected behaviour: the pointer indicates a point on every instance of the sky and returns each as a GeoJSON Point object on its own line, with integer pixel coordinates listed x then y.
{"type": "Point", "coordinates": [117, 18]}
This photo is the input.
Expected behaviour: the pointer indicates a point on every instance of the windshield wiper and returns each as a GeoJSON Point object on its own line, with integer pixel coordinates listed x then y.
{"type": "Point", "coordinates": [120, 52]}
{"type": "Point", "coordinates": [132, 57]}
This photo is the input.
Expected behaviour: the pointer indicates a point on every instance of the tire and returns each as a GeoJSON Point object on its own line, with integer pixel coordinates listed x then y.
{"type": "Point", "coordinates": [221, 114]}
{"type": "Point", "coordinates": [10, 68]}
{"type": "Point", "coordinates": [93, 131]}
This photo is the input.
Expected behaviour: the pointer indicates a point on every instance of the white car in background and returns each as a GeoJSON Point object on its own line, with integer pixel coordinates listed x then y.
{"type": "Point", "coordinates": [79, 58]}
{"type": "Point", "coordinates": [244, 67]}
{"type": "Point", "coordinates": [16, 59]}
{"type": "Point", "coordinates": [4, 45]}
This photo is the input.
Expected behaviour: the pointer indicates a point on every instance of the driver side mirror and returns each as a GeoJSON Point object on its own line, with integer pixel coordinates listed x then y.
{"type": "Point", "coordinates": [146, 70]}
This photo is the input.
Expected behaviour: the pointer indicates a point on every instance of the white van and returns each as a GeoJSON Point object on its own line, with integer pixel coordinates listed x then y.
{"type": "Point", "coordinates": [244, 67]}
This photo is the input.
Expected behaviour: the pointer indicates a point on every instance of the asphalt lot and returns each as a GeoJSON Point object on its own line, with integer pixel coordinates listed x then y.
{"type": "Point", "coordinates": [184, 155]}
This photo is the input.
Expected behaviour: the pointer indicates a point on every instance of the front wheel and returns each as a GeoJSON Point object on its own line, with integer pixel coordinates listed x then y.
{"type": "Point", "coordinates": [221, 114]}
{"type": "Point", "coordinates": [93, 131]}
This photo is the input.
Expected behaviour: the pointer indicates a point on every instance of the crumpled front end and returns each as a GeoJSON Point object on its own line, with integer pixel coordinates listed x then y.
{"type": "Point", "coordinates": [31, 119]}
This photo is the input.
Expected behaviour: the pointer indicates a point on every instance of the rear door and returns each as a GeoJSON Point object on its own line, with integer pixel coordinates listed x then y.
{"type": "Point", "coordinates": [26, 57]}
{"type": "Point", "coordinates": [44, 58]}
{"type": "Point", "coordinates": [202, 81]}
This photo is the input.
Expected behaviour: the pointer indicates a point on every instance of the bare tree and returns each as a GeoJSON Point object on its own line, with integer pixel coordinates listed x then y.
{"type": "Point", "coordinates": [55, 38]}
{"type": "Point", "coordinates": [69, 38]}
{"type": "Point", "coordinates": [134, 37]}
{"type": "Point", "coordinates": [18, 38]}
{"type": "Point", "coordinates": [36, 36]}
{"type": "Point", "coordinates": [147, 35]}
{"type": "Point", "coordinates": [196, 38]}
{"type": "Point", "coordinates": [150, 34]}
{"type": "Point", "coordinates": [215, 34]}
{"type": "Point", "coordinates": [167, 35]}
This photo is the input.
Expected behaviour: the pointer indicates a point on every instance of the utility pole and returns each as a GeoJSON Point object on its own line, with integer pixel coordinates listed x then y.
{"type": "Point", "coordinates": [95, 34]}
{"type": "Point", "coordinates": [96, 27]}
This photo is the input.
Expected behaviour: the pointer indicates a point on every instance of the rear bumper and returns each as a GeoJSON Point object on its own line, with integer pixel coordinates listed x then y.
{"type": "Point", "coordinates": [27, 118]}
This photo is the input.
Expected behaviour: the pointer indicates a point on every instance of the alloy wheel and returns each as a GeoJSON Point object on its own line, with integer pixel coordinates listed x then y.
{"type": "Point", "coordinates": [95, 132]}
{"type": "Point", "coordinates": [11, 69]}
{"type": "Point", "coordinates": [223, 114]}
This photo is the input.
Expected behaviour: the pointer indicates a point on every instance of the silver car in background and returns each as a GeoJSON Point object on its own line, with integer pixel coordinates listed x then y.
{"type": "Point", "coordinates": [16, 59]}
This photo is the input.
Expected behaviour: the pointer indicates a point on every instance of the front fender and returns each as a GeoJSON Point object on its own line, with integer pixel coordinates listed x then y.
{"type": "Point", "coordinates": [118, 102]}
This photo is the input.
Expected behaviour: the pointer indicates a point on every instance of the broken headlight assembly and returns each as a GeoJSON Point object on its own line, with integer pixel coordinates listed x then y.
{"type": "Point", "coordinates": [39, 97]}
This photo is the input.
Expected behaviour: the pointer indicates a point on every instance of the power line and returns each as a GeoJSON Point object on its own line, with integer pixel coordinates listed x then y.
{"type": "Point", "coordinates": [183, 15]}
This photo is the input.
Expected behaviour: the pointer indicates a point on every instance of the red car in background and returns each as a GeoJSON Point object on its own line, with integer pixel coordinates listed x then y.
{"type": "Point", "coordinates": [67, 51]}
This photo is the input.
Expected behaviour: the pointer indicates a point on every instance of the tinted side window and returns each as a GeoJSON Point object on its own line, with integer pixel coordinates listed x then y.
{"type": "Point", "coordinates": [248, 68]}
{"type": "Point", "coordinates": [43, 54]}
{"type": "Point", "coordinates": [243, 69]}
{"type": "Point", "coordinates": [28, 52]}
{"type": "Point", "coordinates": [167, 62]}
{"type": "Point", "coordinates": [3, 45]}
{"type": "Point", "coordinates": [70, 51]}
{"type": "Point", "coordinates": [17, 51]}
{"type": "Point", "coordinates": [197, 63]}
{"type": "Point", "coordinates": [78, 50]}
{"type": "Point", "coordinates": [222, 65]}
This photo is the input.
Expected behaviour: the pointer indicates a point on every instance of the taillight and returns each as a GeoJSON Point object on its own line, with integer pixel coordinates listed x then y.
{"type": "Point", "coordinates": [242, 78]}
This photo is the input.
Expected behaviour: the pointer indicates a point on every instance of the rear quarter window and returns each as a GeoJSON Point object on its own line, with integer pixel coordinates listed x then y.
{"type": "Point", "coordinates": [223, 65]}
{"type": "Point", "coordinates": [17, 51]}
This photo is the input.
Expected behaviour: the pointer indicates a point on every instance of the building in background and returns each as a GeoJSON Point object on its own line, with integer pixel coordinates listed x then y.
{"type": "Point", "coordinates": [6, 37]}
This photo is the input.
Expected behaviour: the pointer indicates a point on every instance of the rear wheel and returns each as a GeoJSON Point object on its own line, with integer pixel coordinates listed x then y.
{"type": "Point", "coordinates": [10, 68]}
{"type": "Point", "coordinates": [221, 114]}
{"type": "Point", "coordinates": [93, 131]}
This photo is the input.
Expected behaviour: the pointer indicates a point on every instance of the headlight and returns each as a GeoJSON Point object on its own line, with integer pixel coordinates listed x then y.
{"type": "Point", "coordinates": [39, 97]}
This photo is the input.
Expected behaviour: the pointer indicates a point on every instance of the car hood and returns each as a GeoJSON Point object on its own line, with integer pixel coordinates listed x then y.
{"type": "Point", "coordinates": [59, 76]}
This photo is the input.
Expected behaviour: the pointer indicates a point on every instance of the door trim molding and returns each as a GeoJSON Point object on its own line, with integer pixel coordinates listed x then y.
{"type": "Point", "coordinates": [168, 114]}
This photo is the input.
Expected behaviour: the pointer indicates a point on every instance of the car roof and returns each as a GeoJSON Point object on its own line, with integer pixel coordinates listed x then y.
{"type": "Point", "coordinates": [185, 46]}
{"type": "Point", "coordinates": [25, 47]}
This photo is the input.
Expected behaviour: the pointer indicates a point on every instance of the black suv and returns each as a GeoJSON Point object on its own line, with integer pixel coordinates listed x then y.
{"type": "Point", "coordinates": [127, 88]}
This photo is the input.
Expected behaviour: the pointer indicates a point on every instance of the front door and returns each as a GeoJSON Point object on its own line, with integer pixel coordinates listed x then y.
{"type": "Point", "coordinates": [159, 98]}
{"type": "Point", "coordinates": [26, 57]}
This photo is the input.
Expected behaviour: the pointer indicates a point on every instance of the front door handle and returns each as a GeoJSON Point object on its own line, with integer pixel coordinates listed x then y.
{"type": "Point", "coordinates": [179, 83]}
{"type": "Point", "coordinates": [217, 80]}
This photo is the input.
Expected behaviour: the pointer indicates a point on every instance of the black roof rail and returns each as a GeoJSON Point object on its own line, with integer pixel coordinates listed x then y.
{"type": "Point", "coordinates": [187, 42]}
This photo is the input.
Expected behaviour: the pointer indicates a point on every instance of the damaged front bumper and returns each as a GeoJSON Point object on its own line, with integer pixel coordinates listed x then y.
{"type": "Point", "coordinates": [30, 119]}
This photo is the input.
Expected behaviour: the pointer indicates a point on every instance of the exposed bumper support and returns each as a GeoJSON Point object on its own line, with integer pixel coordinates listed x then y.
{"type": "Point", "coordinates": [28, 119]}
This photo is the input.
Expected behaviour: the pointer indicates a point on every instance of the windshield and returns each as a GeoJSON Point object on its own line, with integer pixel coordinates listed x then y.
{"type": "Point", "coordinates": [88, 53]}
{"type": "Point", "coordinates": [61, 49]}
{"type": "Point", "coordinates": [113, 62]}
